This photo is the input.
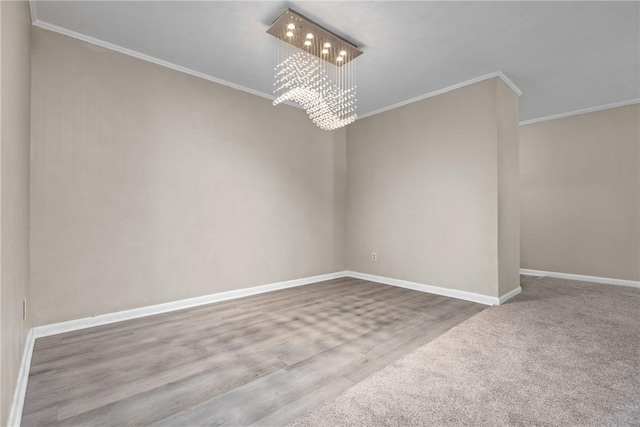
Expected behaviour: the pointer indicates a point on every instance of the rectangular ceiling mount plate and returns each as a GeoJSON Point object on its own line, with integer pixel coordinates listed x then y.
{"type": "Point", "coordinates": [302, 26]}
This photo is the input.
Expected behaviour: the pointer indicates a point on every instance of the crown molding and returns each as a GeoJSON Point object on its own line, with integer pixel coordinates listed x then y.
{"type": "Point", "coordinates": [32, 11]}
{"type": "Point", "coordinates": [578, 112]}
{"type": "Point", "coordinates": [142, 56]}
{"type": "Point", "coordinates": [509, 83]}
{"type": "Point", "coordinates": [497, 74]}
{"type": "Point", "coordinates": [148, 58]}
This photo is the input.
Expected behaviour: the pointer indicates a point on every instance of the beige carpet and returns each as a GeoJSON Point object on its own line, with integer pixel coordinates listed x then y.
{"type": "Point", "coordinates": [562, 353]}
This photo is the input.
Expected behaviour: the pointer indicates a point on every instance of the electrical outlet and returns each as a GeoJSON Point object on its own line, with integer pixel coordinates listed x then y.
{"type": "Point", "coordinates": [24, 309]}
{"type": "Point", "coordinates": [374, 256]}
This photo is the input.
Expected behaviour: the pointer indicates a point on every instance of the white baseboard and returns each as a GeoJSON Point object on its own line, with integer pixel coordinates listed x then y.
{"type": "Point", "coordinates": [594, 279]}
{"type": "Point", "coordinates": [510, 295]}
{"type": "Point", "coordinates": [453, 293]}
{"type": "Point", "coordinates": [103, 319]}
{"type": "Point", "coordinates": [15, 414]}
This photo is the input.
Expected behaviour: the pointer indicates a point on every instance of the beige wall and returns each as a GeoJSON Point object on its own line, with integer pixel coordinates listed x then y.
{"type": "Point", "coordinates": [423, 190]}
{"type": "Point", "coordinates": [508, 190]}
{"type": "Point", "coordinates": [149, 185]}
{"type": "Point", "coordinates": [14, 192]}
{"type": "Point", "coordinates": [580, 179]}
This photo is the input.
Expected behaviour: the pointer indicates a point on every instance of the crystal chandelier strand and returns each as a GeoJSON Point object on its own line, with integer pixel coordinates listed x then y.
{"type": "Point", "coordinates": [314, 68]}
{"type": "Point", "coordinates": [325, 90]}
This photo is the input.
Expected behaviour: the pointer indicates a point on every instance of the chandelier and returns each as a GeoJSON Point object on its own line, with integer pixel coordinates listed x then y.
{"type": "Point", "coordinates": [315, 69]}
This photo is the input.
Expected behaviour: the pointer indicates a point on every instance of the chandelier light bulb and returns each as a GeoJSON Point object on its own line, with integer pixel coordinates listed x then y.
{"type": "Point", "coordinates": [314, 70]}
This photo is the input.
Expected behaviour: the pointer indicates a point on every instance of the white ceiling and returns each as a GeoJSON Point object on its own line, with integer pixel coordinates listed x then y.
{"type": "Point", "coordinates": [563, 56]}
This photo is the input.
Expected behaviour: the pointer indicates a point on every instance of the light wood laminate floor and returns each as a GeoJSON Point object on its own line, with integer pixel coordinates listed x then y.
{"type": "Point", "coordinates": [264, 360]}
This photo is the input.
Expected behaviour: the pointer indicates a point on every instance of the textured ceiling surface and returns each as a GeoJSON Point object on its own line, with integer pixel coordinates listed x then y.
{"type": "Point", "coordinates": [564, 56]}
